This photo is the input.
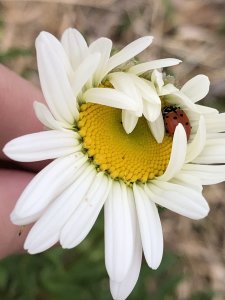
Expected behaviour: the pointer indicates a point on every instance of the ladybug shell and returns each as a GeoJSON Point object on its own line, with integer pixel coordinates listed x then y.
{"type": "Point", "coordinates": [173, 118]}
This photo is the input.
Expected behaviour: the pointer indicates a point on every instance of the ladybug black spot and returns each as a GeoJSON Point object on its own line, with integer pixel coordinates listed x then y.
{"type": "Point", "coordinates": [175, 118]}
{"type": "Point", "coordinates": [187, 123]}
{"type": "Point", "coordinates": [181, 115]}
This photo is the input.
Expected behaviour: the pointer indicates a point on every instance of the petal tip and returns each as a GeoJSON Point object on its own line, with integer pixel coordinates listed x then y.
{"type": "Point", "coordinates": [13, 217]}
{"type": "Point", "coordinates": [148, 39]}
{"type": "Point", "coordinates": [6, 149]}
{"type": "Point", "coordinates": [204, 212]}
{"type": "Point", "coordinates": [43, 35]}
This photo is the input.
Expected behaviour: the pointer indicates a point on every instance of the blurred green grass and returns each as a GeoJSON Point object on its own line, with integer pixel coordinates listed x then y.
{"type": "Point", "coordinates": [13, 53]}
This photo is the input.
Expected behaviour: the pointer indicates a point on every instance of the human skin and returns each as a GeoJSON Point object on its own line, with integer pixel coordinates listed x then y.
{"type": "Point", "coordinates": [16, 118]}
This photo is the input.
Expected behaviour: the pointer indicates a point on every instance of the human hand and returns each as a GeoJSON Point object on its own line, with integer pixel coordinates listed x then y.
{"type": "Point", "coordinates": [17, 118]}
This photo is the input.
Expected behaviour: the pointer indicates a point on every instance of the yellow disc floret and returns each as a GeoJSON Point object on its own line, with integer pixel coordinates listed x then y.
{"type": "Point", "coordinates": [130, 157]}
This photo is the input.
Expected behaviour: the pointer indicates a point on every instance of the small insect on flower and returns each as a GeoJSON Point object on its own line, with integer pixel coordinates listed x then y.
{"type": "Point", "coordinates": [172, 116]}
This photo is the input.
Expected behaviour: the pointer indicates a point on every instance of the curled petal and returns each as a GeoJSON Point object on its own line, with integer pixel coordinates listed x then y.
{"type": "Point", "coordinates": [129, 121]}
{"type": "Point", "coordinates": [110, 97]}
{"type": "Point", "coordinates": [151, 112]}
{"type": "Point", "coordinates": [178, 154]}
{"type": "Point", "coordinates": [157, 128]}
{"type": "Point", "coordinates": [125, 84]}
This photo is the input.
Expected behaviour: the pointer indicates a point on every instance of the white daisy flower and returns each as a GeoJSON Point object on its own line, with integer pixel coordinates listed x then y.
{"type": "Point", "coordinates": [82, 66]}
{"type": "Point", "coordinates": [98, 161]}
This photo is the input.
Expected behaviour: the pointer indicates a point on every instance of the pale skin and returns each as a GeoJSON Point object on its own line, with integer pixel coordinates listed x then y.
{"type": "Point", "coordinates": [16, 118]}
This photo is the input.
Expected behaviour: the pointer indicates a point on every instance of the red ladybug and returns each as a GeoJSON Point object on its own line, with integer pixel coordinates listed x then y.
{"type": "Point", "coordinates": [172, 116]}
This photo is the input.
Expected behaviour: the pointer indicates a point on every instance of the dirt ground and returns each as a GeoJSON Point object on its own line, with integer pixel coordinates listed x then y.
{"type": "Point", "coordinates": [193, 31]}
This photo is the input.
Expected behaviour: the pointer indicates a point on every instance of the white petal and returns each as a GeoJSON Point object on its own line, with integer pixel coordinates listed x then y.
{"type": "Point", "coordinates": [215, 122]}
{"type": "Point", "coordinates": [55, 83]}
{"type": "Point", "coordinates": [75, 46]}
{"type": "Point", "coordinates": [196, 88]}
{"type": "Point", "coordinates": [207, 174]}
{"type": "Point", "coordinates": [84, 72]}
{"type": "Point", "coordinates": [178, 154]}
{"type": "Point", "coordinates": [151, 101]}
{"type": "Point", "coordinates": [45, 232]}
{"type": "Point", "coordinates": [213, 153]}
{"type": "Point", "coordinates": [180, 199]}
{"type": "Point", "coordinates": [151, 112]}
{"type": "Point", "coordinates": [119, 234]}
{"type": "Point", "coordinates": [154, 64]}
{"type": "Point", "coordinates": [195, 147]}
{"type": "Point", "coordinates": [219, 136]}
{"type": "Point", "coordinates": [157, 128]}
{"type": "Point", "coordinates": [168, 89]}
{"type": "Point", "coordinates": [55, 46]}
{"type": "Point", "coordinates": [181, 100]}
{"type": "Point", "coordinates": [188, 180]}
{"type": "Point", "coordinates": [110, 97]}
{"type": "Point", "coordinates": [85, 215]}
{"type": "Point", "coordinates": [216, 141]}
{"type": "Point", "coordinates": [150, 227]}
{"type": "Point", "coordinates": [129, 121]}
{"type": "Point", "coordinates": [206, 110]}
{"type": "Point", "coordinates": [123, 82]}
{"type": "Point", "coordinates": [128, 52]}
{"type": "Point", "coordinates": [45, 117]}
{"type": "Point", "coordinates": [104, 47]}
{"type": "Point", "coordinates": [46, 186]}
{"type": "Point", "coordinates": [157, 79]}
{"type": "Point", "coordinates": [212, 136]}
{"type": "Point", "coordinates": [146, 90]}
{"type": "Point", "coordinates": [121, 290]}
{"type": "Point", "coordinates": [42, 145]}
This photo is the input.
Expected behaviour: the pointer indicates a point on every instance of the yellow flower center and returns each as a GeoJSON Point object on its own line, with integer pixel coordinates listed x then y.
{"type": "Point", "coordinates": [130, 157]}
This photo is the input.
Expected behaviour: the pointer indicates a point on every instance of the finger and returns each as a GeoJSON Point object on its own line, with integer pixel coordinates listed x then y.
{"type": "Point", "coordinates": [17, 116]}
{"type": "Point", "coordinates": [12, 184]}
